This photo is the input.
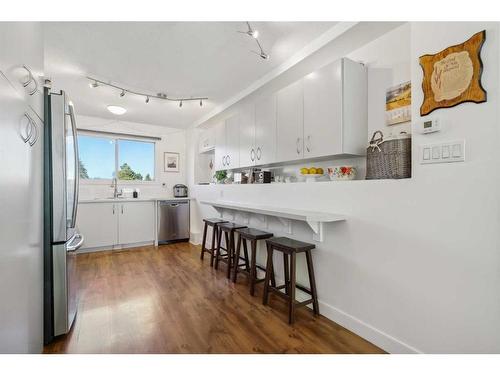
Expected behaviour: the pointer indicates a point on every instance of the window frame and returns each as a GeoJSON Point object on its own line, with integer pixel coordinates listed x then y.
{"type": "Point", "coordinates": [116, 138]}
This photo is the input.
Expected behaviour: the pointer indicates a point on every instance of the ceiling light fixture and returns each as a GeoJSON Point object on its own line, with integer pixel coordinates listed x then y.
{"type": "Point", "coordinates": [201, 103]}
{"type": "Point", "coordinates": [146, 96]}
{"type": "Point", "coordinates": [93, 84]}
{"type": "Point", "coordinates": [255, 34]}
{"type": "Point", "coordinates": [116, 110]}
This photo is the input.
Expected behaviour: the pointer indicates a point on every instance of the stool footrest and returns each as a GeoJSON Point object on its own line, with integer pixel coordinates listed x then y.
{"type": "Point", "coordinates": [276, 290]}
{"type": "Point", "coordinates": [304, 303]}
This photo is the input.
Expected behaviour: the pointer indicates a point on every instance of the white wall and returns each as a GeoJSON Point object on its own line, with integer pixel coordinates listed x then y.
{"type": "Point", "coordinates": [415, 267]}
{"type": "Point", "coordinates": [172, 140]}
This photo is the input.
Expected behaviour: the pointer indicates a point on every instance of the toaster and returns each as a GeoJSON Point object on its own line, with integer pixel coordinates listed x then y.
{"type": "Point", "coordinates": [180, 191]}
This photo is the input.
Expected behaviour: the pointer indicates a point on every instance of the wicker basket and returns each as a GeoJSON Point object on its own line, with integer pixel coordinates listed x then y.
{"type": "Point", "coordinates": [389, 158]}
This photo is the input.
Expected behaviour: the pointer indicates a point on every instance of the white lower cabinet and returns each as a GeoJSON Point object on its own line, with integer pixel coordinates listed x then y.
{"type": "Point", "coordinates": [107, 224]}
{"type": "Point", "coordinates": [136, 222]}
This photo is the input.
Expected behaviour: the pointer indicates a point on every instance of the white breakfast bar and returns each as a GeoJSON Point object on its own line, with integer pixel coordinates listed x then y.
{"type": "Point", "coordinates": [314, 219]}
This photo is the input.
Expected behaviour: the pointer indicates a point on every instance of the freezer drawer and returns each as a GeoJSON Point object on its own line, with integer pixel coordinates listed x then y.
{"type": "Point", "coordinates": [173, 221]}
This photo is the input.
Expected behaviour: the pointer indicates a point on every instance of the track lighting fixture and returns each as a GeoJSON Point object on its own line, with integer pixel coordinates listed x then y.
{"type": "Point", "coordinates": [250, 32]}
{"type": "Point", "coordinates": [255, 34]}
{"type": "Point", "coordinates": [95, 82]}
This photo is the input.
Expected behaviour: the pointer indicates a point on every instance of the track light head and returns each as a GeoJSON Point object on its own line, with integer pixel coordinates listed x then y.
{"type": "Point", "coordinates": [93, 84]}
{"type": "Point", "coordinates": [180, 104]}
{"type": "Point", "coordinates": [147, 99]}
{"type": "Point", "coordinates": [201, 103]}
{"type": "Point", "coordinates": [262, 55]}
{"type": "Point", "coordinates": [122, 94]}
{"type": "Point", "coordinates": [254, 33]}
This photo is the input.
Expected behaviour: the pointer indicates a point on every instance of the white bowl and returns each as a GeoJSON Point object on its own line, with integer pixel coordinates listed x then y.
{"type": "Point", "coordinates": [342, 172]}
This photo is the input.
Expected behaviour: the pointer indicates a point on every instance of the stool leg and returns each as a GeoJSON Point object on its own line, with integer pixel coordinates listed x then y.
{"type": "Point", "coordinates": [291, 302]}
{"type": "Point", "coordinates": [312, 282]}
{"type": "Point", "coordinates": [269, 270]}
{"type": "Point", "coordinates": [203, 248]}
{"type": "Point", "coordinates": [214, 236]}
{"type": "Point", "coordinates": [245, 251]}
{"type": "Point", "coordinates": [273, 279]}
{"type": "Point", "coordinates": [236, 259]}
{"type": "Point", "coordinates": [286, 269]}
{"type": "Point", "coordinates": [230, 252]}
{"type": "Point", "coordinates": [253, 266]}
{"type": "Point", "coordinates": [217, 257]}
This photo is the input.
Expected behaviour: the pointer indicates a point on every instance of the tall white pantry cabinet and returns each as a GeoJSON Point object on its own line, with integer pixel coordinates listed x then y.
{"type": "Point", "coordinates": [21, 188]}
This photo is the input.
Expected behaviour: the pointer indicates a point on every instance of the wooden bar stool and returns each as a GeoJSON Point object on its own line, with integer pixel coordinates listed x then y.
{"type": "Point", "coordinates": [212, 223]}
{"type": "Point", "coordinates": [252, 235]}
{"type": "Point", "coordinates": [228, 229]}
{"type": "Point", "coordinates": [290, 248]}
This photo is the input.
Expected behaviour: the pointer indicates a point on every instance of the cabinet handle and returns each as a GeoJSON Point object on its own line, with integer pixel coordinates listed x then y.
{"type": "Point", "coordinates": [298, 143]}
{"type": "Point", "coordinates": [33, 140]}
{"type": "Point", "coordinates": [252, 155]}
{"type": "Point", "coordinates": [228, 160]}
{"type": "Point", "coordinates": [224, 161]}
{"type": "Point", "coordinates": [308, 145]}
{"type": "Point", "coordinates": [113, 209]}
{"type": "Point", "coordinates": [122, 209]}
{"type": "Point", "coordinates": [30, 79]}
{"type": "Point", "coordinates": [28, 129]}
{"type": "Point", "coordinates": [259, 153]}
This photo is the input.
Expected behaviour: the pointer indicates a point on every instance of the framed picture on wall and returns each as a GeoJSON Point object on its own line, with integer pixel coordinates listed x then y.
{"type": "Point", "coordinates": [171, 161]}
{"type": "Point", "coordinates": [398, 104]}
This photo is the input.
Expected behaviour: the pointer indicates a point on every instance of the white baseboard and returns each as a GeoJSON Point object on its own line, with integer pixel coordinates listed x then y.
{"type": "Point", "coordinates": [195, 238]}
{"type": "Point", "coordinates": [114, 247]}
{"type": "Point", "coordinates": [375, 336]}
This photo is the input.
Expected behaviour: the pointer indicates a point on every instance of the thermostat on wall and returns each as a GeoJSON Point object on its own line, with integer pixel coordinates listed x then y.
{"type": "Point", "coordinates": [430, 126]}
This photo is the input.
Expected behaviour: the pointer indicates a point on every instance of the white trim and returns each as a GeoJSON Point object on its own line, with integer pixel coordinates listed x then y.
{"type": "Point", "coordinates": [383, 340]}
{"type": "Point", "coordinates": [325, 38]}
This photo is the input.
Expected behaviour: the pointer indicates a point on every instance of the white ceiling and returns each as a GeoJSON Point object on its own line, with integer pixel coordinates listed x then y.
{"type": "Point", "coordinates": [178, 58]}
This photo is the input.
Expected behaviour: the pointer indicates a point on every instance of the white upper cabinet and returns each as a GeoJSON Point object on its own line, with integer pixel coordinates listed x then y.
{"type": "Point", "coordinates": [265, 130]}
{"type": "Point", "coordinates": [233, 142]}
{"type": "Point", "coordinates": [227, 144]}
{"type": "Point", "coordinates": [247, 136]}
{"type": "Point", "coordinates": [220, 147]}
{"type": "Point", "coordinates": [206, 141]}
{"type": "Point", "coordinates": [335, 110]}
{"type": "Point", "coordinates": [290, 122]}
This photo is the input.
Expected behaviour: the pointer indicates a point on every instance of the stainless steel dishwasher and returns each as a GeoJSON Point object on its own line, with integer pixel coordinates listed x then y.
{"type": "Point", "coordinates": [173, 221]}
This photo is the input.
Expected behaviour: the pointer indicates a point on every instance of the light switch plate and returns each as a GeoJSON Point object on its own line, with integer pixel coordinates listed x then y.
{"type": "Point", "coordinates": [444, 152]}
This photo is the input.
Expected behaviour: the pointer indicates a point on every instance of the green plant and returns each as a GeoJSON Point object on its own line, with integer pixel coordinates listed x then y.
{"type": "Point", "coordinates": [220, 175]}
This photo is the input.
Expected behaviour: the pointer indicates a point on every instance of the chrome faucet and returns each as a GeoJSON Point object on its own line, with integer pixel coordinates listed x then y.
{"type": "Point", "coordinates": [116, 193]}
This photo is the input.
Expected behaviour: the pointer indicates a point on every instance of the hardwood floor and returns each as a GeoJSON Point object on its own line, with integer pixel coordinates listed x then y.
{"type": "Point", "coordinates": [166, 300]}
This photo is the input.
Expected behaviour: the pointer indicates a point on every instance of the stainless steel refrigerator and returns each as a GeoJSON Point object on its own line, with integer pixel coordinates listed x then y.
{"type": "Point", "coordinates": [61, 203]}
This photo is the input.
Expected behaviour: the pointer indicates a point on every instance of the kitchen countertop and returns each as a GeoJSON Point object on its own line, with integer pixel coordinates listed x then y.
{"type": "Point", "coordinates": [113, 200]}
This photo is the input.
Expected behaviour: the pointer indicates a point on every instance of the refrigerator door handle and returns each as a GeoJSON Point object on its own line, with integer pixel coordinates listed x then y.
{"type": "Point", "coordinates": [77, 166]}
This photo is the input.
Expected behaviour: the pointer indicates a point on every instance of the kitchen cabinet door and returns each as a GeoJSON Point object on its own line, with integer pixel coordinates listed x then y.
{"type": "Point", "coordinates": [21, 46]}
{"type": "Point", "coordinates": [233, 142]}
{"type": "Point", "coordinates": [98, 223]}
{"type": "Point", "coordinates": [265, 130]}
{"type": "Point", "coordinates": [136, 222]}
{"type": "Point", "coordinates": [323, 111]}
{"type": "Point", "coordinates": [220, 147]}
{"type": "Point", "coordinates": [290, 122]}
{"type": "Point", "coordinates": [247, 149]}
{"type": "Point", "coordinates": [21, 265]}
{"type": "Point", "coordinates": [206, 141]}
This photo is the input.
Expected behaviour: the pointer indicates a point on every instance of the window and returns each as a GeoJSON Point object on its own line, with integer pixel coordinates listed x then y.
{"type": "Point", "coordinates": [107, 157]}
